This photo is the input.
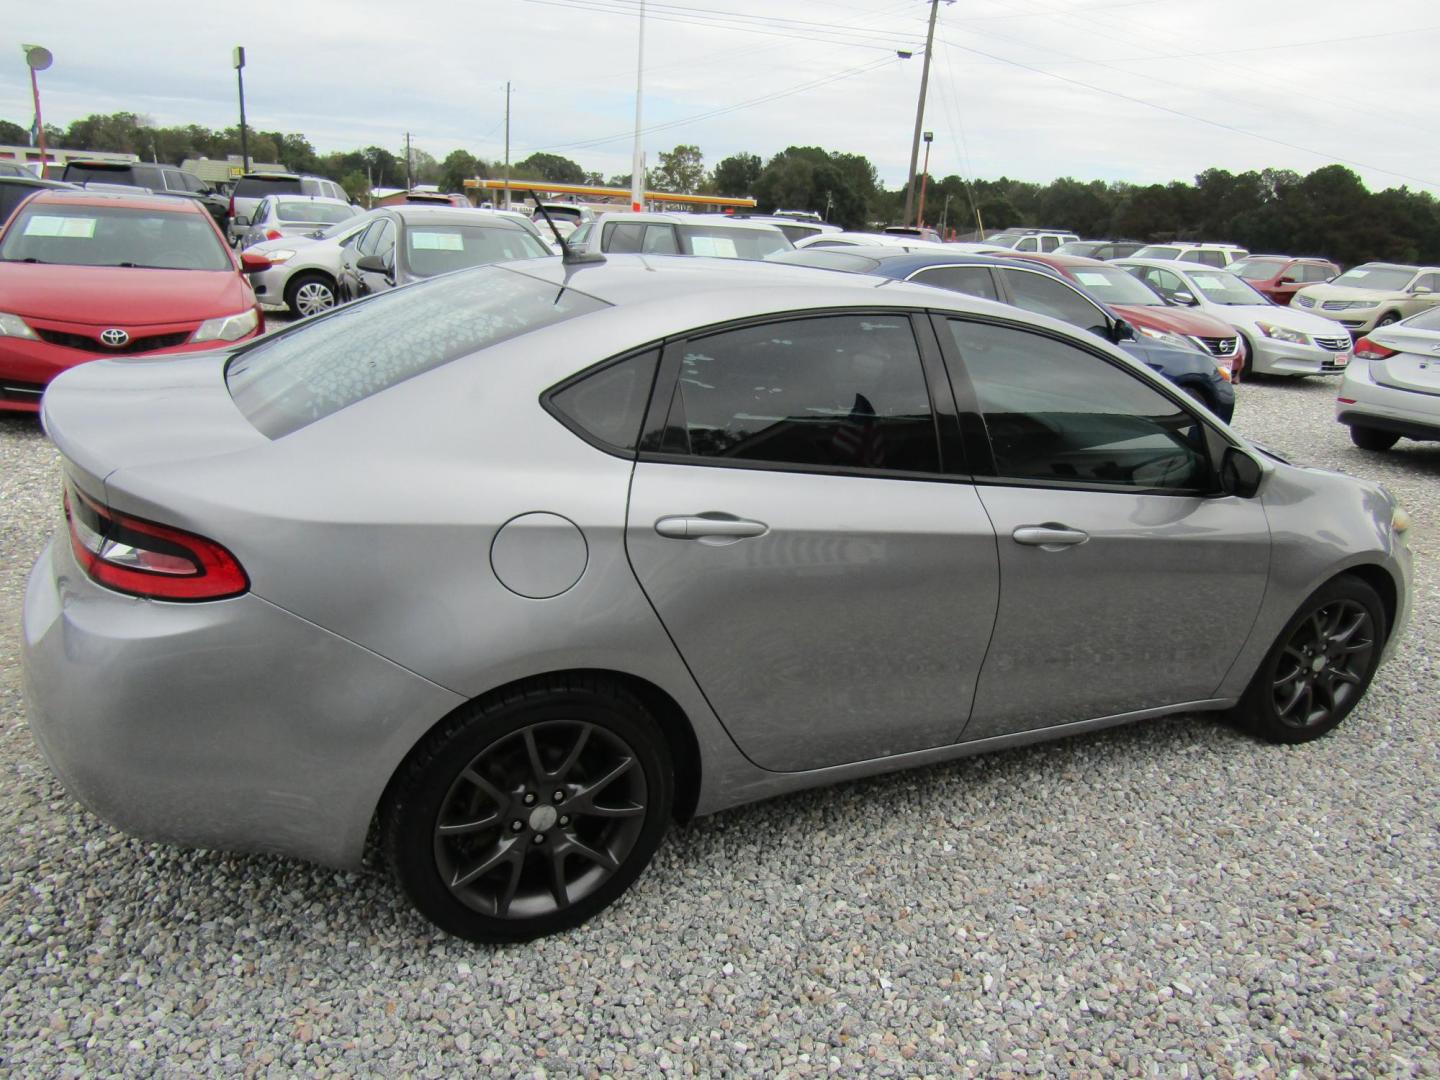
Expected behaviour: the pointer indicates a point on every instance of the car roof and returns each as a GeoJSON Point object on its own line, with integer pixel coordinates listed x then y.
{"type": "Point", "coordinates": [1051, 259]}
{"type": "Point", "coordinates": [676, 217]}
{"type": "Point", "coordinates": [428, 214]}
{"type": "Point", "coordinates": [1168, 264]}
{"type": "Point", "coordinates": [273, 176]}
{"type": "Point", "coordinates": [895, 262]}
{"type": "Point", "coordinates": [83, 197]}
{"type": "Point", "coordinates": [36, 182]}
{"type": "Point", "coordinates": [1391, 266]}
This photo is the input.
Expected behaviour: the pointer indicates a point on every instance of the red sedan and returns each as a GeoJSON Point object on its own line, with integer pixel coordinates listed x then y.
{"type": "Point", "coordinates": [1279, 277]}
{"type": "Point", "coordinates": [85, 275]}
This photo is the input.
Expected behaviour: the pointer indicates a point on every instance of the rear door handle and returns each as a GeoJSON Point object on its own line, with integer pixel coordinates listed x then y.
{"type": "Point", "coordinates": [1050, 536]}
{"type": "Point", "coordinates": [697, 528]}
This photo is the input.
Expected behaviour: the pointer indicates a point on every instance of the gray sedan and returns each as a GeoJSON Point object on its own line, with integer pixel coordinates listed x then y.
{"type": "Point", "coordinates": [509, 568]}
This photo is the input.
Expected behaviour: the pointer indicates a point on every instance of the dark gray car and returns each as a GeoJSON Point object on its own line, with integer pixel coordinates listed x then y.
{"type": "Point", "coordinates": [507, 569]}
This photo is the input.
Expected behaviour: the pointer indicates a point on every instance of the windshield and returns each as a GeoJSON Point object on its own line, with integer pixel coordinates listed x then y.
{"type": "Point", "coordinates": [1005, 239]}
{"type": "Point", "coordinates": [1257, 269]}
{"type": "Point", "coordinates": [114, 236]}
{"type": "Point", "coordinates": [321, 366]}
{"type": "Point", "coordinates": [318, 212]}
{"type": "Point", "coordinates": [731, 242]}
{"type": "Point", "coordinates": [438, 249]}
{"type": "Point", "coordinates": [1380, 278]}
{"type": "Point", "coordinates": [1223, 287]}
{"type": "Point", "coordinates": [81, 174]}
{"type": "Point", "coordinates": [1158, 253]}
{"type": "Point", "coordinates": [1116, 286]}
{"type": "Point", "coordinates": [256, 188]}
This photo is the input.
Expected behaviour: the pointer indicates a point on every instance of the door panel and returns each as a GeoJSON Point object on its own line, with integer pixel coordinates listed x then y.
{"type": "Point", "coordinates": [853, 627]}
{"type": "Point", "coordinates": [1150, 610]}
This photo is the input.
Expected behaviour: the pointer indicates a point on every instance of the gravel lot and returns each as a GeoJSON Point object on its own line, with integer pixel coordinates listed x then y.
{"type": "Point", "coordinates": [1171, 899]}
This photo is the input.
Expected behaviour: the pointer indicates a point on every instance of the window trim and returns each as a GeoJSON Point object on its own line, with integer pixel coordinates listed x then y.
{"type": "Point", "coordinates": [977, 438]}
{"type": "Point", "coordinates": [548, 395]}
{"type": "Point", "coordinates": [667, 383]}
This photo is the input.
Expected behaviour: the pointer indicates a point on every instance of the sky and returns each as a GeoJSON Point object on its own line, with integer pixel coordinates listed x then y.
{"type": "Point", "coordinates": [1137, 90]}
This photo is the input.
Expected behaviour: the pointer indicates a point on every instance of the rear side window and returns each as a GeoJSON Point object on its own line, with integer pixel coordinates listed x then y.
{"type": "Point", "coordinates": [320, 367]}
{"type": "Point", "coordinates": [84, 174]}
{"type": "Point", "coordinates": [1047, 296]}
{"type": "Point", "coordinates": [623, 238]}
{"type": "Point", "coordinates": [838, 392]}
{"type": "Point", "coordinates": [608, 406]}
{"type": "Point", "coordinates": [971, 280]}
{"type": "Point", "coordinates": [258, 188]}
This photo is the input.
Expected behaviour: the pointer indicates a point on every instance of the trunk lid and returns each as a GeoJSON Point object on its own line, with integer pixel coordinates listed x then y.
{"type": "Point", "coordinates": [1416, 364]}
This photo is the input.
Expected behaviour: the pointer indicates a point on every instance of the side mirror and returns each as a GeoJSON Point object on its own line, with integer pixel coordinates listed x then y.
{"type": "Point", "coordinates": [372, 264]}
{"type": "Point", "coordinates": [252, 262]}
{"type": "Point", "coordinates": [240, 219]}
{"type": "Point", "coordinates": [1183, 297]}
{"type": "Point", "coordinates": [1287, 281]}
{"type": "Point", "coordinates": [1239, 473]}
{"type": "Point", "coordinates": [1120, 330]}
{"type": "Point", "coordinates": [1421, 290]}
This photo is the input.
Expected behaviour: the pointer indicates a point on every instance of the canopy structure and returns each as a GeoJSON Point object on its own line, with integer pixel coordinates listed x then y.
{"type": "Point", "coordinates": [621, 194]}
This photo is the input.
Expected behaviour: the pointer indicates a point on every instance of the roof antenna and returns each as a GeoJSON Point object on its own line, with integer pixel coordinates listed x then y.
{"type": "Point", "coordinates": [568, 257]}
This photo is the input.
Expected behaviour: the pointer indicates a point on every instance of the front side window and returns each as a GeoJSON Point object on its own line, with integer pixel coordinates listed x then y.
{"type": "Point", "coordinates": [660, 240]}
{"type": "Point", "coordinates": [1162, 281]}
{"type": "Point", "coordinates": [1028, 244]}
{"type": "Point", "coordinates": [1054, 412]}
{"type": "Point", "coordinates": [319, 367]}
{"type": "Point", "coordinates": [1315, 272]}
{"type": "Point", "coordinates": [370, 240]}
{"type": "Point", "coordinates": [1428, 281]}
{"type": "Point", "coordinates": [1045, 295]}
{"type": "Point", "coordinates": [971, 280]}
{"type": "Point", "coordinates": [623, 237]}
{"type": "Point", "coordinates": [838, 391]}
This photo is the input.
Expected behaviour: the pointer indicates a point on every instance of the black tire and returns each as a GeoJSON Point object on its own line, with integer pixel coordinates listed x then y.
{"type": "Point", "coordinates": [304, 295]}
{"type": "Point", "coordinates": [1387, 319]}
{"type": "Point", "coordinates": [1321, 665]}
{"type": "Point", "coordinates": [1369, 438]}
{"type": "Point", "coordinates": [578, 744]}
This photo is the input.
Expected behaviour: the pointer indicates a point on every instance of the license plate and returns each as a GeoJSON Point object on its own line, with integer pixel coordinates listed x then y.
{"type": "Point", "coordinates": [1341, 359]}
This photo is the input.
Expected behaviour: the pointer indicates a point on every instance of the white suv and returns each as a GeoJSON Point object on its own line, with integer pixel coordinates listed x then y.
{"type": "Point", "coordinates": [1040, 241]}
{"type": "Point", "coordinates": [1219, 255]}
{"type": "Point", "coordinates": [717, 235]}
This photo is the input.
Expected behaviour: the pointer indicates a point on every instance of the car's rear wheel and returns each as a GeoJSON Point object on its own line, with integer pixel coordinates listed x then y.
{"type": "Point", "coordinates": [528, 813]}
{"type": "Point", "coordinates": [310, 294]}
{"type": "Point", "coordinates": [1388, 318]}
{"type": "Point", "coordinates": [1319, 667]}
{"type": "Point", "coordinates": [1368, 438]}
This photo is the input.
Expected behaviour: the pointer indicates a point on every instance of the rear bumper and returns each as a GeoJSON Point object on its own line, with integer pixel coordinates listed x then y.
{"type": "Point", "coordinates": [1365, 403]}
{"type": "Point", "coordinates": [287, 751]}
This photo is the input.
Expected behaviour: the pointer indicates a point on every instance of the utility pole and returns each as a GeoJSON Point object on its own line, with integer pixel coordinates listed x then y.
{"type": "Point", "coordinates": [829, 202]}
{"type": "Point", "coordinates": [507, 146]}
{"type": "Point", "coordinates": [409, 178]}
{"type": "Point", "coordinates": [945, 216]}
{"type": "Point", "coordinates": [637, 157]}
{"type": "Point", "coordinates": [238, 59]}
{"type": "Point", "coordinates": [924, 179]}
{"type": "Point", "coordinates": [920, 111]}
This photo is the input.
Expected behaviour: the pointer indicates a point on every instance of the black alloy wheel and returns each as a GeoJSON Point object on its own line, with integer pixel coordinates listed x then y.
{"type": "Point", "coordinates": [1321, 665]}
{"type": "Point", "coordinates": [528, 815]}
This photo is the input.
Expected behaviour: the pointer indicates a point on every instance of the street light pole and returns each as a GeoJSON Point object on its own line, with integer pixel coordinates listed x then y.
{"type": "Point", "coordinates": [924, 180]}
{"type": "Point", "coordinates": [507, 146]}
{"type": "Point", "coordinates": [38, 58]}
{"type": "Point", "coordinates": [920, 110]}
{"type": "Point", "coordinates": [238, 59]}
{"type": "Point", "coordinates": [637, 160]}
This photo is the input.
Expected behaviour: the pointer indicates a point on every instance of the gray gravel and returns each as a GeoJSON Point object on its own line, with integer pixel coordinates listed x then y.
{"type": "Point", "coordinates": [1171, 899]}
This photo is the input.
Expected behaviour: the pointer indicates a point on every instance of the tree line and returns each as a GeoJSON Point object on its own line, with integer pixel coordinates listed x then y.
{"type": "Point", "coordinates": [1328, 212]}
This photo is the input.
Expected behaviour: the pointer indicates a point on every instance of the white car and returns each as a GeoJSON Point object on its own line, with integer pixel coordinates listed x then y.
{"type": "Point", "coordinates": [717, 235]}
{"type": "Point", "coordinates": [1219, 255]}
{"type": "Point", "coordinates": [894, 240]}
{"type": "Point", "coordinates": [1278, 340]}
{"type": "Point", "coordinates": [303, 269]}
{"type": "Point", "coordinates": [281, 217]}
{"type": "Point", "coordinates": [1392, 387]}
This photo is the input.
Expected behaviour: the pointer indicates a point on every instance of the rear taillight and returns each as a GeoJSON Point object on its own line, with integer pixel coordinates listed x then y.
{"type": "Point", "coordinates": [273, 234]}
{"type": "Point", "coordinates": [232, 206]}
{"type": "Point", "coordinates": [146, 559]}
{"type": "Point", "coordinates": [1365, 349]}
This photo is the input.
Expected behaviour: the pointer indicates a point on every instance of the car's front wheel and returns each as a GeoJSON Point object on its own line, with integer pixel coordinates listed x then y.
{"type": "Point", "coordinates": [310, 294]}
{"type": "Point", "coordinates": [1319, 667]}
{"type": "Point", "coordinates": [529, 812]}
{"type": "Point", "coordinates": [1368, 438]}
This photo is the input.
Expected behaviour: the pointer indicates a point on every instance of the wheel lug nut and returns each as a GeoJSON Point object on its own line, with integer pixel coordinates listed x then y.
{"type": "Point", "coordinates": [529, 798]}
{"type": "Point", "coordinates": [564, 820]}
{"type": "Point", "coordinates": [539, 839]}
{"type": "Point", "coordinates": [559, 796]}
{"type": "Point", "coordinates": [517, 825]}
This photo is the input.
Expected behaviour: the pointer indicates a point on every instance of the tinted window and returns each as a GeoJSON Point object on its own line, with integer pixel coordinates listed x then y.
{"type": "Point", "coordinates": [660, 240]}
{"type": "Point", "coordinates": [370, 240]}
{"type": "Point", "coordinates": [1055, 412]}
{"type": "Point", "coordinates": [113, 236]}
{"type": "Point", "coordinates": [11, 196]}
{"type": "Point", "coordinates": [252, 188]}
{"type": "Point", "coordinates": [438, 249]}
{"type": "Point", "coordinates": [843, 391]}
{"type": "Point", "coordinates": [609, 405]}
{"type": "Point", "coordinates": [624, 237]}
{"type": "Point", "coordinates": [971, 280]}
{"type": "Point", "coordinates": [1047, 296]}
{"type": "Point", "coordinates": [323, 365]}
{"type": "Point", "coordinates": [100, 174]}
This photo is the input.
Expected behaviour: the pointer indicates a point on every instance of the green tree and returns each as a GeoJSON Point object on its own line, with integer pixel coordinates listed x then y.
{"type": "Point", "coordinates": [12, 134]}
{"type": "Point", "coordinates": [459, 166]}
{"type": "Point", "coordinates": [681, 169]}
{"type": "Point", "coordinates": [548, 167]}
{"type": "Point", "coordinates": [736, 175]}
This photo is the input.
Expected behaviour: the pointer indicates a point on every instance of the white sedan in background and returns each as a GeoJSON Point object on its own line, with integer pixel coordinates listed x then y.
{"type": "Point", "coordinates": [303, 269]}
{"type": "Point", "coordinates": [1392, 388]}
{"type": "Point", "coordinates": [1278, 340]}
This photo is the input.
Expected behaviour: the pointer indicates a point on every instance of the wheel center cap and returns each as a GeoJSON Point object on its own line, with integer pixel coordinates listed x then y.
{"type": "Point", "coordinates": [543, 817]}
{"type": "Point", "coordinates": [1318, 664]}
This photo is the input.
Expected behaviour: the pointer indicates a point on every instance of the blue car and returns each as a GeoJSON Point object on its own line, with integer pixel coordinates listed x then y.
{"type": "Point", "coordinates": [1042, 289]}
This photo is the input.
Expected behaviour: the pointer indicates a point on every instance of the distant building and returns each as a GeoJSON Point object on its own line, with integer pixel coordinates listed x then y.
{"type": "Point", "coordinates": [57, 157]}
{"type": "Point", "coordinates": [216, 171]}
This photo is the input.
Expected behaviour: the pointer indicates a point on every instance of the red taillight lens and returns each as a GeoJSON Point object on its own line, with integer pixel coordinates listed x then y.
{"type": "Point", "coordinates": [232, 206]}
{"type": "Point", "coordinates": [273, 234]}
{"type": "Point", "coordinates": [1365, 349]}
{"type": "Point", "coordinates": [143, 558]}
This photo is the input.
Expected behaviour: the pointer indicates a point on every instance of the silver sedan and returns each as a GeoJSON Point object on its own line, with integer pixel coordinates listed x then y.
{"type": "Point", "coordinates": [1392, 388]}
{"type": "Point", "coordinates": [510, 568]}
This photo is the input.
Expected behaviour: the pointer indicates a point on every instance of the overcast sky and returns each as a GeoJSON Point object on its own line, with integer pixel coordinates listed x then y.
{"type": "Point", "coordinates": [1025, 88]}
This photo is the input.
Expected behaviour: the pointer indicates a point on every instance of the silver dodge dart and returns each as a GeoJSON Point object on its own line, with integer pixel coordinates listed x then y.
{"type": "Point", "coordinates": [508, 569]}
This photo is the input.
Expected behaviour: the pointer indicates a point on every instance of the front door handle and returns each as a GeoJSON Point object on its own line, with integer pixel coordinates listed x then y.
{"type": "Point", "coordinates": [699, 527]}
{"type": "Point", "coordinates": [1050, 536]}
